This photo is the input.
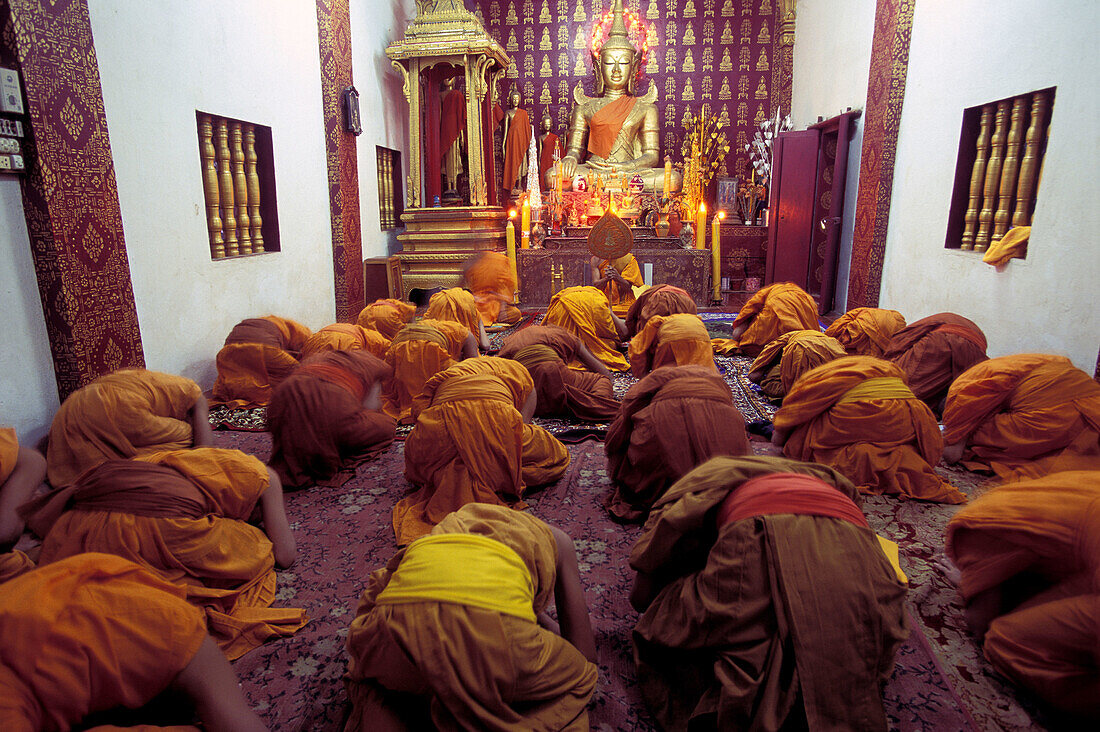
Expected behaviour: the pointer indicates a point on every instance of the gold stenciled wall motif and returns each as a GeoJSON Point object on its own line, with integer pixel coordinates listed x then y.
{"type": "Point", "coordinates": [700, 51]}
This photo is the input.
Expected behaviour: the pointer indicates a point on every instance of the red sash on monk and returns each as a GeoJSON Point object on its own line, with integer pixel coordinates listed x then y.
{"type": "Point", "coordinates": [335, 375]}
{"type": "Point", "coordinates": [788, 493]}
{"type": "Point", "coordinates": [604, 126]}
{"type": "Point", "coordinates": [961, 330]}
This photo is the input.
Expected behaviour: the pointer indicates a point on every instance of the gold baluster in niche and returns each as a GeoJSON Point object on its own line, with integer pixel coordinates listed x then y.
{"type": "Point", "coordinates": [387, 189]}
{"type": "Point", "coordinates": [255, 220]}
{"type": "Point", "coordinates": [1029, 168]}
{"type": "Point", "coordinates": [383, 215]}
{"type": "Point", "coordinates": [240, 188]}
{"type": "Point", "coordinates": [1011, 169]}
{"type": "Point", "coordinates": [210, 187]}
{"type": "Point", "coordinates": [992, 179]}
{"type": "Point", "coordinates": [977, 179]}
{"type": "Point", "coordinates": [225, 189]}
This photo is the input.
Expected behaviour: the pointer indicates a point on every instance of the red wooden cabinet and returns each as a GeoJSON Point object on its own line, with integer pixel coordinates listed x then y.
{"type": "Point", "coordinates": [809, 170]}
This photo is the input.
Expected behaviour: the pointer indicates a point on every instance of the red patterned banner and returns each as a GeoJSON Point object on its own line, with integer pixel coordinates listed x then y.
{"type": "Point", "coordinates": [882, 119]}
{"type": "Point", "coordinates": [70, 196]}
{"type": "Point", "coordinates": [334, 37]}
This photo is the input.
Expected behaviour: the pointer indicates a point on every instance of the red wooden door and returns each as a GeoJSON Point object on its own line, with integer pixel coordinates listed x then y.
{"type": "Point", "coordinates": [794, 178]}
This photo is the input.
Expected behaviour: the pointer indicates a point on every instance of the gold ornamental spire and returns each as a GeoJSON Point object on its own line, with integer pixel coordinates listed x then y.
{"type": "Point", "coordinates": [618, 37]}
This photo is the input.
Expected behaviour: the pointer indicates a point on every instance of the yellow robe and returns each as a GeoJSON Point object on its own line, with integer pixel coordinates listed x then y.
{"type": "Point", "coordinates": [417, 358]}
{"type": "Point", "coordinates": [584, 312]}
{"type": "Point", "coordinates": [621, 298]}
{"type": "Point", "coordinates": [255, 359]}
{"type": "Point", "coordinates": [768, 314]}
{"type": "Point", "coordinates": [792, 354]}
{"type": "Point", "coordinates": [387, 316]}
{"type": "Point", "coordinates": [456, 305]}
{"type": "Point", "coordinates": [671, 340]}
{"type": "Point", "coordinates": [346, 337]}
{"type": "Point", "coordinates": [492, 279]}
{"type": "Point", "coordinates": [866, 331]}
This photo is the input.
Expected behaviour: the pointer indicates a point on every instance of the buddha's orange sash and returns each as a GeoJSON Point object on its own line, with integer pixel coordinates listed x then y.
{"type": "Point", "coordinates": [605, 124]}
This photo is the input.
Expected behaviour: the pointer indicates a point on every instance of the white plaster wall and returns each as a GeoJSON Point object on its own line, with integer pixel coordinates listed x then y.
{"type": "Point", "coordinates": [28, 390]}
{"type": "Point", "coordinates": [832, 60]}
{"type": "Point", "coordinates": [248, 59]}
{"type": "Point", "coordinates": [376, 24]}
{"type": "Point", "coordinates": [963, 54]}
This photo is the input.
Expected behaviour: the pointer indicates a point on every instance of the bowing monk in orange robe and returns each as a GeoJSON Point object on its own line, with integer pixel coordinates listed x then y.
{"type": "Point", "coordinates": [768, 314]}
{"type": "Point", "coordinates": [491, 277]}
{"type": "Point", "coordinates": [22, 469]}
{"type": "Point", "coordinates": [387, 316]}
{"type": "Point", "coordinates": [123, 414]}
{"type": "Point", "coordinates": [1028, 559]}
{"type": "Point", "coordinates": [857, 415]}
{"type": "Point", "coordinates": [417, 353]}
{"type": "Point", "coordinates": [672, 420]}
{"type": "Point", "coordinates": [472, 444]}
{"type": "Point", "coordinates": [346, 337]}
{"type": "Point", "coordinates": [96, 632]}
{"type": "Point", "coordinates": [452, 633]}
{"type": "Point", "coordinates": [617, 278]}
{"type": "Point", "coordinates": [258, 354]}
{"type": "Point", "coordinates": [1023, 417]}
{"type": "Point", "coordinates": [657, 300]}
{"type": "Point", "coordinates": [767, 602]}
{"type": "Point", "coordinates": [459, 306]}
{"type": "Point", "coordinates": [325, 419]}
{"type": "Point", "coordinates": [792, 354]}
{"type": "Point", "coordinates": [585, 312]}
{"type": "Point", "coordinates": [183, 515]}
{"type": "Point", "coordinates": [671, 340]}
{"type": "Point", "coordinates": [866, 331]}
{"type": "Point", "coordinates": [933, 351]}
{"type": "Point", "coordinates": [562, 392]}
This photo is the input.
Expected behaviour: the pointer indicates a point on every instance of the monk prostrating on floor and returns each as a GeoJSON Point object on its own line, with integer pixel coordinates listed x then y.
{"type": "Point", "coordinates": [1023, 417]}
{"type": "Point", "coordinates": [452, 633]}
{"type": "Point", "coordinates": [491, 277]}
{"type": "Point", "coordinates": [418, 352]}
{"type": "Point", "coordinates": [785, 359]}
{"type": "Point", "coordinates": [258, 354]}
{"type": "Point", "coordinates": [767, 602]}
{"type": "Point", "coordinates": [346, 337]}
{"type": "Point", "coordinates": [857, 415]}
{"type": "Point", "coordinates": [96, 632]}
{"type": "Point", "coordinates": [183, 516]}
{"type": "Point", "coordinates": [22, 469]}
{"type": "Point", "coordinates": [671, 340]}
{"type": "Point", "coordinates": [617, 278]}
{"type": "Point", "coordinates": [123, 414]}
{"type": "Point", "coordinates": [933, 352]}
{"type": "Point", "coordinates": [657, 300]}
{"type": "Point", "coordinates": [562, 392]}
{"type": "Point", "coordinates": [768, 314]}
{"type": "Point", "coordinates": [1028, 557]}
{"type": "Point", "coordinates": [672, 420]}
{"type": "Point", "coordinates": [472, 443]}
{"type": "Point", "coordinates": [586, 313]}
{"type": "Point", "coordinates": [458, 305]}
{"type": "Point", "coordinates": [866, 331]}
{"type": "Point", "coordinates": [387, 316]}
{"type": "Point", "coordinates": [325, 418]}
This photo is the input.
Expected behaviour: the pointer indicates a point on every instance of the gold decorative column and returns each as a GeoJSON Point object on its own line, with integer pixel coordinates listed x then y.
{"type": "Point", "coordinates": [1025, 190]}
{"type": "Point", "coordinates": [992, 179]}
{"type": "Point", "coordinates": [210, 188]}
{"type": "Point", "coordinates": [977, 178]}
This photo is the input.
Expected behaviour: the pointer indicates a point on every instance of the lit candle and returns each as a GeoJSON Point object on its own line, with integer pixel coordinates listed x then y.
{"type": "Point", "coordinates": [668, 175]}
{"type": "Point", "coordinates": [716, 255]}
{"type": "Point", "coordinates": [525, 225]}
{"type": "Point", "coordinates": [510, 237]}
{"type": "Point", "coordinates": [700, 227]}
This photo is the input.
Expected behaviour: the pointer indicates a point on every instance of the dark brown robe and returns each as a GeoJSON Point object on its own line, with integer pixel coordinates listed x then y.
{"type": "Point", "coordinates": [933, 351]}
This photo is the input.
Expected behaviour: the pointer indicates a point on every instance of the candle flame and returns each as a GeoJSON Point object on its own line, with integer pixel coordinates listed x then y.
{"type": "Point", "coordinates": [511, 213]}
{"type": "Point", "coordinates": [721, 215]}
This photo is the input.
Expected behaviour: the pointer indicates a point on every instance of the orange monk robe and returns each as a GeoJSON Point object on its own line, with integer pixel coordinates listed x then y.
{"type": "Point", "coordinates": [866, 331]}
{"type": "Point", "coordinates": [346, 337]}
{"type": "Point", "coordinates": [13, 564]}
{"type": "Point", "coordinates": [387, 316]}
{"type": "Point", "coordinates": [89, 634]}
{"type": "Point", "coordinates": [545, 350]}
{"type": "Point", "coordinates": [120, 415]}
{"type": "Point", "coordinates": [516, 145]}
{"type": "Point", "coordinates": [418, 352]}
{"type": "Point", "coordinates": [604, 126]}
{"type": "Point", "coordinates": [9, 452]}
{"type": "Point", "coordinates": [550, 144]}
{"type": "Point", "coordinates": [621, 297]}
{"type": "Point", "coordinates": [319, 426]}
{"type": "Point", "coordinates": [1037, 542]}
{"type": "Point", "coordinates": [470, 444]}
{"type": "Point", "coordinates": [671, 421]}
{"type": "Point", "coordinates": [584, 312]}
{"type": "Point", "coordinates": [792, 354]}
{"type": "Point", "coordinates": [492, 279]}
{"type": "Point", "coordinates": [457, 305]}
{"type": "Point", "coordinates": [885, 440]}
{"type": "Point", "coordinates": [1010, 246]}
{"type": "Point", "coordinates": [181, 515]}
{"type": "Point", "coordinates": [657, 300]}
{"type": "Point", "coordinates": [778, 617]}
{"type": "Point", "coordinates": [933, 351]}
{"type": "Point", "coordinates": [470, 667]}
{"type": "Point", "coordinates": [768, 314]}
{"type": "Point", "coordinates": [258, 354]}
{"type": "Point", "coordinates": [1025, 416]}
{"type": "Point", "coordinates": [671, 340]}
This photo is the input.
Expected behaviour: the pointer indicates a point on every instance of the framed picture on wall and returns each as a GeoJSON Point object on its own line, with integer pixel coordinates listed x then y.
{"type": "Point", "coordinates": [726, 195]}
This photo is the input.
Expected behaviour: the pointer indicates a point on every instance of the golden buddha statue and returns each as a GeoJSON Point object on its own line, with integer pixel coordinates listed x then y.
{"type": "Point", "coordinates": [616, 131]}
